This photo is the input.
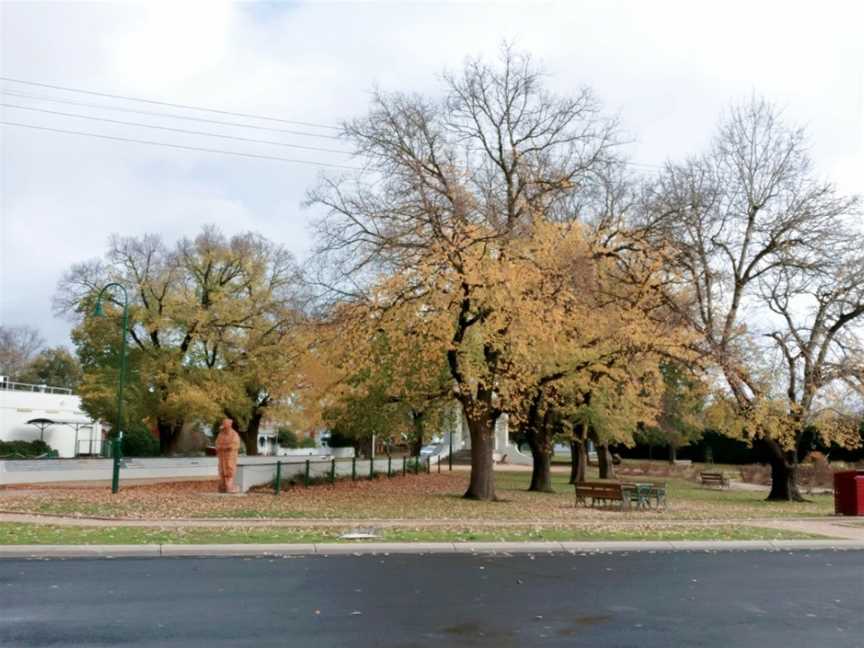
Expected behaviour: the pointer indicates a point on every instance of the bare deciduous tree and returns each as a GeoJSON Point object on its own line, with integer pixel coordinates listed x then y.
{"type": "Point", "coordinates": [748, 209]}
{"type": "Point", "coordinates": [18, 346]}
{"type": "Point", "coordinates": [821, 344]}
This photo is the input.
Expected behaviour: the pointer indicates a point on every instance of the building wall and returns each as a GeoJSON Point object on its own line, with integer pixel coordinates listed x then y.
{"type": "Point", "coordinates": [462, 436]}
{"type": "Point", "coordinates": [18, 407]}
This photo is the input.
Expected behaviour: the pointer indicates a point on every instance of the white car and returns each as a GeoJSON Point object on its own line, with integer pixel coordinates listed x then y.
{"type": "Point", "coordinates": [429, 450]}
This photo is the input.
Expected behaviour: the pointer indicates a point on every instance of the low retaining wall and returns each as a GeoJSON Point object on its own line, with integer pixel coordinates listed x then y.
{"type": "Point", "coordinates": [249, 475]}
{"type": "Point", "coordinates": [251, 471]}
{"type": "Point", "coordinates": [46, 471]}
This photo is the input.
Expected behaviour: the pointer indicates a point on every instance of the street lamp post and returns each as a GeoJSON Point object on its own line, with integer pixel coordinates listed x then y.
{"type": "Point", "coordinates": [121, 382]}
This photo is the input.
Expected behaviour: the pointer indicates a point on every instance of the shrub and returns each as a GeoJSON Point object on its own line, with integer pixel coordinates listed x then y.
{"type": "Point", "coordinates": [756, 474]}
{"type": "Point", "coordinates": [815, 473]}
{"type": "Point", "coordinates": [138, 442]}
{"type": "Point", "coordinates": [23, 449]}
{"type": "Point", "coordinates": [287, 438]}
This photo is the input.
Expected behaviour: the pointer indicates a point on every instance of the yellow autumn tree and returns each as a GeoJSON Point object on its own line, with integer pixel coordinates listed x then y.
{"type": "Point", "coordinates": [437, 232]}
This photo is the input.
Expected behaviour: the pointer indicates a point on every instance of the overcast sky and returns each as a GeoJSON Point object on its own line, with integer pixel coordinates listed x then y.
{"type": "Point", "coordinates": [667, 68]}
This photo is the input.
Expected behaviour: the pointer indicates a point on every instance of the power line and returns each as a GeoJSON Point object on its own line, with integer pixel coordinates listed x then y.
{"type": "Point", "coordinates": [219, 151]}
{"type": "Point", "coordinates": [187, 117]}
{"type": "Point", "coordinates": [168, 115]}
{"type": "Point", "coordinates": [166, 103]}
{"type": "Point", "coordinates": [180, 146]}
{"type": "Point", "coordinates": [174, 130]}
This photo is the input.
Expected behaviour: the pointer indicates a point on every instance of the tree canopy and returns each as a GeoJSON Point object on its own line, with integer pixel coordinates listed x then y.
{"type": "Point", "coordinates": [213, 321]}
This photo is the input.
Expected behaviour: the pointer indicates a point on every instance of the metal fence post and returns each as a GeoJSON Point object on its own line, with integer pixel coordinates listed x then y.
{"type": "Point", "coordinates": [404, 465]}
{"type": "Point", "coordinates": [439, 464]}
{"type": "Point", "coordinates": [306, 475]}
{"type": "Point", "coordinates": [428, 465]}
{"type": "Point", "coordinates": [333, 471]}
{"type": "Point", "coordinates": [353, 468]}
{"type": "Point", "coordinates": [389, 466]}
{"type": "Point", "coordinates": [278, 476]}
{"type": "Point", "coordinates": [372, 466]}
{"type": "Point", "coordinates": [115, 456]}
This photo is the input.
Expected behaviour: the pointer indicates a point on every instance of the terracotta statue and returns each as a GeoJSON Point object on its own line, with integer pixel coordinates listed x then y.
{"type": "Point", "coordinates": [227, 447]}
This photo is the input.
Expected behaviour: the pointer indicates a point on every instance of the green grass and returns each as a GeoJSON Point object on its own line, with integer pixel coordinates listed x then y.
{"type": "Point", "coordinates": [18, 534]}
{"type": "Point", "coordinates": [704, 502]}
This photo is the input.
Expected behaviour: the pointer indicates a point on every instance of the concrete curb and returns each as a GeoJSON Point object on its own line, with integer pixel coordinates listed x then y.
{"type": "Point", "coordinates": [368, 548]}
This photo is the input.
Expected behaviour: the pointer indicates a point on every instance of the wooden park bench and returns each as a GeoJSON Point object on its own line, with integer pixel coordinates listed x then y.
{"type": "Point", "coordinates": [714, 479]}
{"type": "Point", "coordinates": [601, 492]}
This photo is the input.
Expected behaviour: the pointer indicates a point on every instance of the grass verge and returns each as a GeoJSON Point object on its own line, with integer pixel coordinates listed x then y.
{"type": "Point", "coordinates": [17, 534]}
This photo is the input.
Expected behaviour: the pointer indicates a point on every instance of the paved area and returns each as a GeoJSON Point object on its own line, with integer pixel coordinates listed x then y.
{"type": "Point", "coordinates": [831, 527]}
{"type": "Point", "coordinates": [645, 600]}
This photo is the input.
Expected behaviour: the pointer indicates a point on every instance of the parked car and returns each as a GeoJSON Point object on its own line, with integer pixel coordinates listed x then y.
{"type": "Point", "coordinates": [429, 450]}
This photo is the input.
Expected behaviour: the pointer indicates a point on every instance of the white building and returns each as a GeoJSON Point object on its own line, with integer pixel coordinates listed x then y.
{"type": "Point", "coordinates": [504, 449]}
{"type": "Point", "coordinates": [32, 412]}
{"type": "Point", "coordinates": [268, 440]}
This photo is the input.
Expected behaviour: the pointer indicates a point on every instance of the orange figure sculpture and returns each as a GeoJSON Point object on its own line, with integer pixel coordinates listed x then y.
{"type": "Point", "coordinates": [227, 447]}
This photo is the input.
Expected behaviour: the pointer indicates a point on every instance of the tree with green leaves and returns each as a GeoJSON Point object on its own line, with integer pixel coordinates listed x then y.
{"type": "Point", "coordinates": [680, 419]}
{"type": "Point", "coordinates": [210, 327]}
{"type": "Point", "coordinates": [55, 366]}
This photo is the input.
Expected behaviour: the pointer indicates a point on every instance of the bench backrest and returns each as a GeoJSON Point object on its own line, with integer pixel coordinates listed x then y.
{"type": "Point", "coordinates": [600, 490]}
{"type": "Point", "coordinates": [712, 476]}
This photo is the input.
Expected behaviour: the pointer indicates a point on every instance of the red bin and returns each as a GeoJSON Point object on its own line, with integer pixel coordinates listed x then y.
{"type": "Point", "coordinates": [849, 492]}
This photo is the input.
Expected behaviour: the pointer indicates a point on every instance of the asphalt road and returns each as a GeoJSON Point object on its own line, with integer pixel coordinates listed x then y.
{"type": "Point", "coordinates": [643, 600]}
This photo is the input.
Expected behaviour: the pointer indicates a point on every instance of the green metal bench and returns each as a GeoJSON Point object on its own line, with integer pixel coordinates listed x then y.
{"type": "Point", "coordinates": [642, 494]}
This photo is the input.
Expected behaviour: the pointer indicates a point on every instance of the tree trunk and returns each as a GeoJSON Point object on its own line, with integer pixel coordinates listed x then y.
{"type": "Point", "coordinates": [416, 447]}
{"type": "Point", "coordinates": [541, 455]}
{"type": "Point", "coordinates": [673, 454]}
{"type": "Point", "coordinates": [784, 474]}
{"type": "Point", "coordinates": [482, 483]}
{"type": "Point", "coordinates": [579, 454]}
{"type": "Point", "coordinates": [578, 462]}
{"type": "Point", "coordinates": [368, 448]}
{"type": "Point", "coordinates": [574, 467]}
{"type": "Point", "coordinates": [250, 435]}
{"type": "Point", "coordinates": [169, 434]}
{"type": "Point", "coordinates": [604, 460]}
{"type": "Point", "coordinates": [417, 440]}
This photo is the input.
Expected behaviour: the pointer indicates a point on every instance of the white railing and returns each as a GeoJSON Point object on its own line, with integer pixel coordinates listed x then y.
{"type": "Point", "coordinates": [89, 447]}
{"type": "Point", "coordinates": [28, 387]}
